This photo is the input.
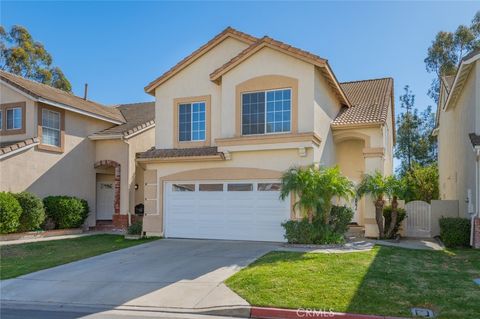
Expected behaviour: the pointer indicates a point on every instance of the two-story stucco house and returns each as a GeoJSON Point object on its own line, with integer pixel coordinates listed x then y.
{"type": "Point", "coordinates": [55, 143]}
{"type": "Point", "coordinates": [458, 131]}
{"type": "Point", "coordinates": [239, 111]}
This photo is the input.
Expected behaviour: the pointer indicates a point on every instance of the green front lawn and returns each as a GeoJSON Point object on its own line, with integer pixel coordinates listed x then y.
{"type": "Point", "coordinates": [383, 281]}
{"type": "Point", "coordinates": [16, 260]}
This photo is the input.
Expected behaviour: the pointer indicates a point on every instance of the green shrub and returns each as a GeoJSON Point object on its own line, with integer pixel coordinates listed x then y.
{"type": "Point", "coordinates": [66, 211]}
{"type": "Point", "coordinates": [340, 217]}
{"type": "Point", "coordinates": [33, 213]}
{"type": "Point", "coordinates": [135, 228]}
{"type": "Point", "coordinates": [302, 232]}
{"type": "Point", "coordinates": [387, 215]}
{"type": "Point", "coordinates": [455, 232]}
{"type": "Point", "coordinates": [10, 212]}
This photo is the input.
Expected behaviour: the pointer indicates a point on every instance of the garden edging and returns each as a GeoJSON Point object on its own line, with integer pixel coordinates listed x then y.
{"type": "Point", "coordinates": [279, 313]}
{"type": "Point", "coordinates": [41, 234]}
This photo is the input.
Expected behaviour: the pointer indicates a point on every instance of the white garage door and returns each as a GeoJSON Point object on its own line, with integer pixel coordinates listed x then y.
{"type": "Point", "coordinates": [246, 210]}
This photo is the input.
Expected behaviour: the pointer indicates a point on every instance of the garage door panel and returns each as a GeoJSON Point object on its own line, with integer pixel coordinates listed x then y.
{"type": "Point", "coordinates": [238, 215]}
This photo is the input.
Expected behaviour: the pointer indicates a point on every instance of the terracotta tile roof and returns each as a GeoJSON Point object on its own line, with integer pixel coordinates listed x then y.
{"type": "Point", "coordinates": [7, 147]}
{"type": "Point", "coordinates": [138, 117]}
{"type": "Point", "coordinates": [229, 31]}
{"type": "Point", "coordinates": [180, 152]}
{"type": "Point", "coordinates": [370, 102]}
{"type": "Point", "coordinates": [475, 139]}
{"type": "Point", "coordinates": [39, 90]}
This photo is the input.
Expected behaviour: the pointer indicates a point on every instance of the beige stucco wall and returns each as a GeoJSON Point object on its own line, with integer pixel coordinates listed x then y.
{"type": "Point", "coordinates": [326, 108]}
{"type": "Point", "coordinates": [138, 143]}
{"type": "Point", "coordinates": [48, 173]}
{"type": "Point", "coordinates": [192, 81]}
{"type": "Point", "coordinates": [7, 95]}
{"type": "Point", "coordinates": [456, 155]}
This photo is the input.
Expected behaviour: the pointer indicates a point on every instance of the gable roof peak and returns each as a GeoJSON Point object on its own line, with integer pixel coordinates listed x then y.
{"type": "Point", "coordinates": [227, 32]}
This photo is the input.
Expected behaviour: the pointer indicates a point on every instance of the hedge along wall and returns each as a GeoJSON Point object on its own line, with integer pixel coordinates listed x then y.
{"type": "Point", "coordinates": [442, 208]}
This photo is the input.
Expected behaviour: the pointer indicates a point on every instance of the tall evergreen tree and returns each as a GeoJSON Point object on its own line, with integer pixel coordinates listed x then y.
{"type": "Point", "coordinates": [415, 143]}
{"type": "Point", "coordinates": [22, 55]}
{"type": "Point", "coordinates": [448, 49]}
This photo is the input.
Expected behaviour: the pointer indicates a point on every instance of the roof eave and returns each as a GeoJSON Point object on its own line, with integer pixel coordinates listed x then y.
{"type": "Point", "coordinates": [227, 33]}
{"type": "Point", "coordinates": [356, 125]}
{"type": "Point", "coordinates": [37, 98]}
{"type": "Point", "coordinates": [460, 78]}
{"type": "Point", "coordinates": [218, 157]}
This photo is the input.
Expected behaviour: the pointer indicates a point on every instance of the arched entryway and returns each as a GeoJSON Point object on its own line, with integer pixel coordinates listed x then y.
{"type": "Point", "coordinates": [108, 192]}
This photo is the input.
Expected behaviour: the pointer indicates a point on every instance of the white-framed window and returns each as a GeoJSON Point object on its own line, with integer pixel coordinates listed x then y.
{"type": "Point", "coordinates": [14, 118]}
{"type": "Point", "coordinates": [51, 130]}
{"type": "Point", "coordinates": [191, 121]}
{"type": "Point", "coordinates": [267, 112]}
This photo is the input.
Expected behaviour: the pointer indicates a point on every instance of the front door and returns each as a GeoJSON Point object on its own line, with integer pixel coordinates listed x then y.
{"type": "Point", "coordinates": [105, 198]}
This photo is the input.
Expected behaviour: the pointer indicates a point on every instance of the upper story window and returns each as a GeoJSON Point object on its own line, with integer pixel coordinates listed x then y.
{"type": "Point", "coordinates": [51, 129]}
{"type": "Point", "coordinates": [266, 112]}
{"type": "Point", "coordinates": [191, 121]}
{"type": "Point", "coordinates": [12, 118]}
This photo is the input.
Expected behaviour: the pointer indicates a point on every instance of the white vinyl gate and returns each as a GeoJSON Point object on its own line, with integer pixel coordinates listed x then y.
{"type": "Point", "coordinates": [418, 219]}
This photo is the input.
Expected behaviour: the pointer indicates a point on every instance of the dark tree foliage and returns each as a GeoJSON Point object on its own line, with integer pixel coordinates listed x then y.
{"type": "Point", "coordinates": [448, 49]}
{"type": "Point", "coordinates": [415, 144]}
{"type": "Point", "coordinates": [20, 54]}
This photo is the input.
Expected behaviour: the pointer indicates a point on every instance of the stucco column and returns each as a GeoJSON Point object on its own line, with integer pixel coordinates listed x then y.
{"type": "Point", "coordinates": [374, 161]}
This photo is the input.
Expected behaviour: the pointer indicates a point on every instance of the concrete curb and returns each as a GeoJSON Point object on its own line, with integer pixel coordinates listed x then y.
{"type": "Point", "coordinates": [278, 313]}
{"type": "Point", "coordinates": [231, 311]}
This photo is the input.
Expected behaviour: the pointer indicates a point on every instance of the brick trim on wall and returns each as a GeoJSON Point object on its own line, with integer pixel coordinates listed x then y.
{"type": "Point", "coordinates": [476, 233]}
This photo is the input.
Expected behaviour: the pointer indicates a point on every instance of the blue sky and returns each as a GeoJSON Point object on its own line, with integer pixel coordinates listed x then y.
{"type": "Point", "coordinates": [119, 47]}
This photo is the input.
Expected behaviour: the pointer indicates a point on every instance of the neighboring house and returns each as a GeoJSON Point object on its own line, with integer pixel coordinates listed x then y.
{"type": "Point", "coordinates": [55, 143]}
{"type": "Point", "coordinates": [458, 131]}
{"type": "Point", "coordinates": [239, 111]}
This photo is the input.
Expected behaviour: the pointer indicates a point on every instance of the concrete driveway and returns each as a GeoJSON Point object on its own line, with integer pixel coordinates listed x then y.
{"type": "Point", "coordinates": [165, 275]}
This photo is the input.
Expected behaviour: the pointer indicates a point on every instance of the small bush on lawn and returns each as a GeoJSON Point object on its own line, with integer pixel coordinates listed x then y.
{"type": "Point", "coordinates": [10, 212]}
{"type": "Point", "coordinates": [33, 213]}
{"type": "Point", "coordinates": [302, 232]}
{"type": "Point", "coordinates": [387, 215]}
{"type": "Point", "coordinates": [340, 217]}
{"type": "Point", "coordinates": [135, 228]}
{"type": "Point", "coordinates": [66, 211]}
{"type": "Point", "coordinates": [455, 232]}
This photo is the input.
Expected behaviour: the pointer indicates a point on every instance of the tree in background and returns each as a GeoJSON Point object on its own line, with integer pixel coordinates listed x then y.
{"type": "Point", "coordinates": [21, 55]}
{"type": "Point", "coordinates": [422, 183]}
{"type": "Point", "coordinates": [415, 143]}
{"type": "Point", "coordinates": [448, 49]}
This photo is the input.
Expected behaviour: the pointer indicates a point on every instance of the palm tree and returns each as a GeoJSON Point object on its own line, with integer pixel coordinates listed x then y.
{"type": "Point", "coordinates": [376, 186]}
{"type": "Point", "coordinates": [315, 188]}
{"type": "Point", "coordinates": [333, 184]}
{"type": "Point", "coordinates": [395, 188]}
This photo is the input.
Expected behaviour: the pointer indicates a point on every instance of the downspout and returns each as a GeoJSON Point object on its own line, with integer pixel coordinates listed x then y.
{"type": "Point", "coordinates": [477, 195]}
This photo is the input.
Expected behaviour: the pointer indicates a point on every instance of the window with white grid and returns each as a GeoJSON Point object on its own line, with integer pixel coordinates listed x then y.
{"type": "Point", "coordinates": [50, 127]}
